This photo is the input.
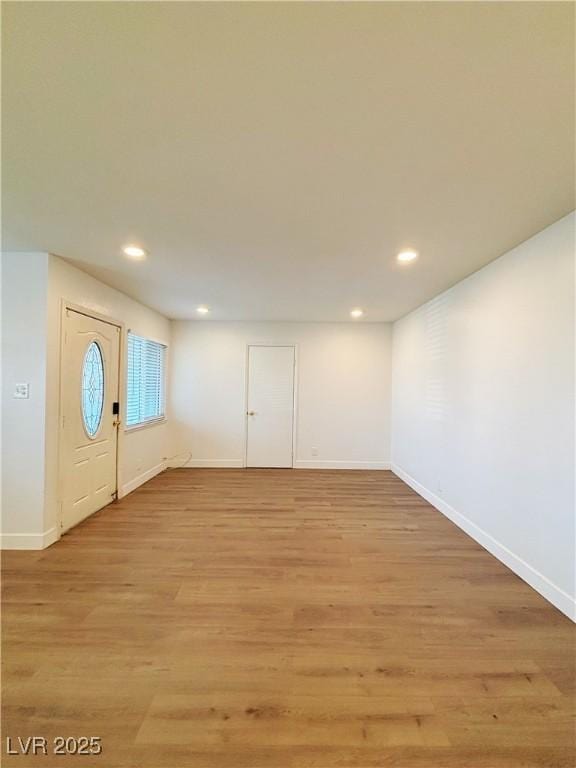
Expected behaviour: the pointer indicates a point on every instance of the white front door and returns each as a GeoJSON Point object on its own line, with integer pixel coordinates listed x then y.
{"type": "Point", "coordinates": [89, 375]}
{"type": "Point", "coordinates": [270, 411]}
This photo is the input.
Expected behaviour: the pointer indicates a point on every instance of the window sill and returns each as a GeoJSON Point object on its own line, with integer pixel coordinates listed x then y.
{"type": "Point", "coordinates": [145, 425]}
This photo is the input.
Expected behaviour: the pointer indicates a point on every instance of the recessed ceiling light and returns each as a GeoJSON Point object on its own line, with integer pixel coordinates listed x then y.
{"type": "Point", "coordinates": [405, 256]}
{"type": "Point", "coordinates": [134, 252]}
{"type": "Point", "coordinates": [202, 310]}
{"type": "Point", "coordinates": [357, 312]}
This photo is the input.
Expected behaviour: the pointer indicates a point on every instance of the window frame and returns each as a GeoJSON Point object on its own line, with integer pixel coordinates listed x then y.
{"type": "Point", "coordinates": [164, 373]}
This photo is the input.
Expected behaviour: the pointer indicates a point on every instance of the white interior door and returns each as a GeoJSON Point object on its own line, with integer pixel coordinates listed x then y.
{"type": "Point", "coordinates": [90, 368]}
{"type": "Point", "coordinates": [270, 412]}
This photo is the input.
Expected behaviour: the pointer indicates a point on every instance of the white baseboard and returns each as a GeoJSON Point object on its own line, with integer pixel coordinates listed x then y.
{"type": "Point", "coordinates": [141, 479]}
{"type": "Point", "coordinates": [315, 464]}
{"type": "Point", "coordinates": [210, 463]}
{"type": "Point", "coordinates": [28, 540]}
{"type": "Point", "coordinates": [299, 464]}
{"type": "Point", "coordinates": [562, 600]}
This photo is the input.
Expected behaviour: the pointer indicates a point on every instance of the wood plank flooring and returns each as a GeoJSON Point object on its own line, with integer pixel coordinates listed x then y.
{"type": "Point", "coordinates": [282, 619]}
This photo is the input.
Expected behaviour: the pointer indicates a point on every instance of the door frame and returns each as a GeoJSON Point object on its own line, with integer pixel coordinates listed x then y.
{"type": "Point", "coordinates": [294, 395]}
{"type": "Point", "coordinates": [66, 306]}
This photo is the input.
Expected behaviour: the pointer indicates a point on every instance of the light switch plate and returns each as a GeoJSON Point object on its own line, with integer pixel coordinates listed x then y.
{"type": "Point", "coordinates": [22, 391]}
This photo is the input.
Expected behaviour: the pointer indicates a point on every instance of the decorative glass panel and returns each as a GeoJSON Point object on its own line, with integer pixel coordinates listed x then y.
{"type": "Point", "coordinates": [92, 388]}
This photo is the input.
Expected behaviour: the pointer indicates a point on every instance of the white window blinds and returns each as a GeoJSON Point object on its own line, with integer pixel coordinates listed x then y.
{"type": "Point", "coordinates": [146, 375]}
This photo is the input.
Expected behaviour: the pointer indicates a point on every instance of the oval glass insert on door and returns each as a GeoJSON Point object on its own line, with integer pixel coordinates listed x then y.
{"type": "Point", "coordinates": [92, 389]}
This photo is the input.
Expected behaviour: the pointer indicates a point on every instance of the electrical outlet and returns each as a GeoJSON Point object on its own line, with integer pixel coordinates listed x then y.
{"type": "Point", "coordinates": [314, 451]}
{"type": "Point", "coordinates": [21, 391]}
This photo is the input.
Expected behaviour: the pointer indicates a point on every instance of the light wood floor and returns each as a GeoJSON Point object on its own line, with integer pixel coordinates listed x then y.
{"type": "Point", "coordinates": [283, 619]}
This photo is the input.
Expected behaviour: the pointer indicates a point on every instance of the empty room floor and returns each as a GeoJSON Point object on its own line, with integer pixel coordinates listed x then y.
{"type": "Point", "coordinates": [282, 619]}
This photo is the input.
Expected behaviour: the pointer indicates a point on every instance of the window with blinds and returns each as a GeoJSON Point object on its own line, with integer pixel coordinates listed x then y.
{"type": "Point", "coordinates": [145, 395]}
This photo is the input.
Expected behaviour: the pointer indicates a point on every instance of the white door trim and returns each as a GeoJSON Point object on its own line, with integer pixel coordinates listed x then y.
{"type": "Point", "coordinates": [80, 310]}
{"type": "Point", "coordinates": [294, 401]}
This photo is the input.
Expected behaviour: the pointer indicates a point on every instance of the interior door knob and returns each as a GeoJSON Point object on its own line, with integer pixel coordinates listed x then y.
{"type": "Point", "coordinates": [251, 413]}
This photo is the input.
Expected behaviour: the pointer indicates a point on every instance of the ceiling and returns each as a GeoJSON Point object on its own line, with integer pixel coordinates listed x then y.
{"type": "Point", "coordinates": [274, 157]}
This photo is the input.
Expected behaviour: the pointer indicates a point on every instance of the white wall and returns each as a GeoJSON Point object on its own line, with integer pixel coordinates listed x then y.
{"type": "Point", "coordinates": [483, 408]}
{"type": "Point", "coordinates": [24, 336]}
{"type": "Point", "coordinates": [34, 287]}
{"type": "Point", "coordinates": [343, 397]}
